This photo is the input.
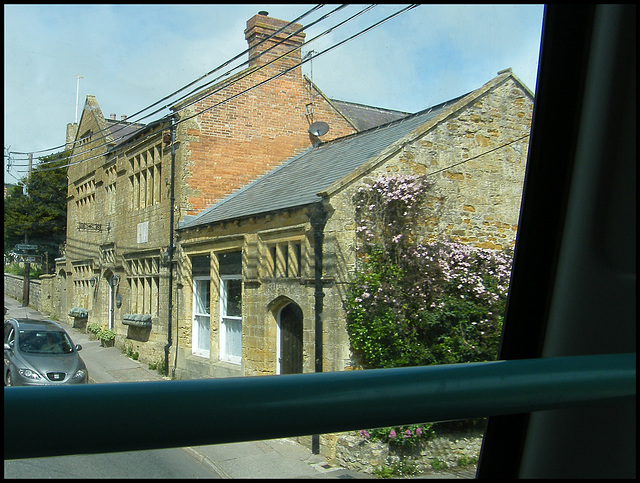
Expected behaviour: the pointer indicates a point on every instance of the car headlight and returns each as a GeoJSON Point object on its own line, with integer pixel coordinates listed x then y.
{"type": "Point", "coordinates": [29, 374]}
{"type": "Point", "coordinates": [80, 374]}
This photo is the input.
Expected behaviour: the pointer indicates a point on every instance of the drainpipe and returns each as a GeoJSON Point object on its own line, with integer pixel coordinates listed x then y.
{"type": "Point", "coordinates": [171, 247]}
{"type": "Point", "coordinates": [318, 219]}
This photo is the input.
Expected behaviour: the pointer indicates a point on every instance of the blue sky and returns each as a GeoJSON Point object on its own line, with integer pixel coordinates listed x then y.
{"type": "Point", "coordinates": [131, 56]}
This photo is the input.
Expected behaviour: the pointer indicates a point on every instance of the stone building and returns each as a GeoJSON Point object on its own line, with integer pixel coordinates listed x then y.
{"type": "Point", "coordinates": [130, 183]}
{"type": "Point", "coordinates": [263, 272]}
{"type": "Point", "coordinates": [219, 240]}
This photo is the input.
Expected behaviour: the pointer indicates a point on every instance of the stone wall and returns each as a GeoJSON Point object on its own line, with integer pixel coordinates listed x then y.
{"type": "Point", "coordinates": [119, 209]}
{"type": "Point", "coordinates": [459, 450]}
{"type": "Point", "coordinates": [14, 288]}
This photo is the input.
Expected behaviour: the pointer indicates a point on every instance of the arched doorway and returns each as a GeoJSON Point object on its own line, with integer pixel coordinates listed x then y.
{"type": "Point", "coordinates": [290, 339]}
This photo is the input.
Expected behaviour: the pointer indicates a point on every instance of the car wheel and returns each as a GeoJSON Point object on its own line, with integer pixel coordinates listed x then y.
{"type": "Point", "coordinates": [9, 381]}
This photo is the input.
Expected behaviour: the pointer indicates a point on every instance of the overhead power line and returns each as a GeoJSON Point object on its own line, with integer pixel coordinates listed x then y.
{"type": "Point", "coordinates": [306, 59]}
{"type": "Point", "coordinates": [165, 118]}
{"type": "Point", "coordinates": [308, 12]}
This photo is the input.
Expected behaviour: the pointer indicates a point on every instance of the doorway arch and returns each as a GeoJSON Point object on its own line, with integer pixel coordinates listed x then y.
{"type": "Point", "coordinates": [290, 328]}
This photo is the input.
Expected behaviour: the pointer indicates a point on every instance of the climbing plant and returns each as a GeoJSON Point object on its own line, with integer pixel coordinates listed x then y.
{"type": "Point", "coordinates": [417, 303]}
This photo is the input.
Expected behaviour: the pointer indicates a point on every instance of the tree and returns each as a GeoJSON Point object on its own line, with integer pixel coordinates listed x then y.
{"type": "Point", "coordinates": [41, 214]}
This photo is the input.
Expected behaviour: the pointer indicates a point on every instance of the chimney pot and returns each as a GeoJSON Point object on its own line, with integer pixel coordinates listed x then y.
{"type": "Point", "coordinates": [123, 117]}
{"type": "Point", "coordinates": [113, 117]}
{"type": "Point", "coordinates": [263, 12]}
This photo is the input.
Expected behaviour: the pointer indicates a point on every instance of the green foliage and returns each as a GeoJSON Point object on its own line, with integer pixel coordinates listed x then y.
{"type": "Point", "coordinates": [93, 328]}
{"type": "Point", "coordinates": [127, 349]}
{"type": "Point", "coordinates": [400, 468]}
{"type": "Point", "coordinates": [16, 269]}
{"type": "Point", "coordinates": [407, 436]}
{"type": "Point", "coordinates": [403, 439]}
{"type": "Point", "coordinates": [438, 464]}
{"type": "Point", "coordinates": [464, 461]}
{"type": "Point", "coordinates": [41, 215]}
{"type": "Point", "coordinates": [417, 303]}
{"type": "Point", "coordinates": [105, 335]}
{"type": "Point", "coordinates": [158, 366]}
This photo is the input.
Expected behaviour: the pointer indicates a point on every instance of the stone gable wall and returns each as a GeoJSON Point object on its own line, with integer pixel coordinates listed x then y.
{"type": "Point", "coordinates": [477, 161]}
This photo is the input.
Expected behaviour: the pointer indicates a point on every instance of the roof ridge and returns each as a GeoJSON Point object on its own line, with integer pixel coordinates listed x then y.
{"type": "Point", "coordinates": [370, 107]}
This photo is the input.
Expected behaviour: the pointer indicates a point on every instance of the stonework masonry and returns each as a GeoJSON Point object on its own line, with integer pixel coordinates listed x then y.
{"type": "Point", "coordinates": [123, 267]}
{"type": "Point", "coordinates": [119, 206]}
{"type": "Point", "coordinates": [476, 157]}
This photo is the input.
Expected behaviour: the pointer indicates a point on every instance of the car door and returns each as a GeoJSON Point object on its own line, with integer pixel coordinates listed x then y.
{"type": "Point", "coordinates": [9, 340]}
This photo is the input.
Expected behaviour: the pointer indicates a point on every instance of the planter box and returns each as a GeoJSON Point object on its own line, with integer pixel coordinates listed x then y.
{"type": "Point", "coordinates": [137, 320]}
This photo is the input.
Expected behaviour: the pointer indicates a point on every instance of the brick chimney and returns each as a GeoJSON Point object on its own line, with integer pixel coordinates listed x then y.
{"type": "Point", "coordinates": [260, 27]}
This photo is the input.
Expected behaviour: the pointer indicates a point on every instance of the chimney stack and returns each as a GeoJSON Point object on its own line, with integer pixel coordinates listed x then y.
{"type": "Point", "coordinates": [123, 117]}
{"type": "Point", "coordinates": [260, 27]}
{"type": "Point", "coordinates": [113, 117]}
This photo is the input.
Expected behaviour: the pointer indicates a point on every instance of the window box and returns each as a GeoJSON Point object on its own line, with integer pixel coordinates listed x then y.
{"type": "Point", "coordinates": [137, 320]}
{"type": "Point", "coordinates": [79, 313]}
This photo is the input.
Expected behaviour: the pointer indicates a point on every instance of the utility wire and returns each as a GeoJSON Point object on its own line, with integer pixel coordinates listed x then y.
{"type": "Point", "coordinates": [305, 60]}
{"type": "Point", "coordinates": [197, 80]}
{"type": "Point", "coordinates": [478, 155]}
{"type": "Point", "coordinates": [165, 119]}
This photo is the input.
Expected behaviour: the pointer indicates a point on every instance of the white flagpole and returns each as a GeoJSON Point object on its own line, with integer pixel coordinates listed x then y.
{"type": "Point", "coordinates": [77, 90]}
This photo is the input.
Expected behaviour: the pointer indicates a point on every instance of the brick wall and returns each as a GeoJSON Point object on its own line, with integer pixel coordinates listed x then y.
{"type": "Point", "coordinates": [235, 142]}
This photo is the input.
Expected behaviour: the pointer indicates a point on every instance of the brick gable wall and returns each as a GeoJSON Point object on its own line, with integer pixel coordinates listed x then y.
{"type": "Point", "coordinates": [243, 138]}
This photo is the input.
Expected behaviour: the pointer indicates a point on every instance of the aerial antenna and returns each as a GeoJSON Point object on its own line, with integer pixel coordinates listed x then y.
{"type": "Point", "coordinates": [316, 130]}
{"type": "Point", "coordinates": [77, 90]}
{"type": "Point", "coordinates": [309, 107]}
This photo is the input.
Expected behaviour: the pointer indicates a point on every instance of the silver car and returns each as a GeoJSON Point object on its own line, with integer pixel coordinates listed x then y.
{"type": "Point", "coordinates": [40, 353]}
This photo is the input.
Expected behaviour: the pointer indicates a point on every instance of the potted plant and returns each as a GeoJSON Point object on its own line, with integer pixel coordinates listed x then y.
{"type": "Point", "coordinates": [106, 337]}
{"type": "Point", "coordinates": [92, 330]}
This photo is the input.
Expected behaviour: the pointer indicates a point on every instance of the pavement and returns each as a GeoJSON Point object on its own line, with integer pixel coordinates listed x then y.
{"type": "Point", "coordinates": [277, 458]}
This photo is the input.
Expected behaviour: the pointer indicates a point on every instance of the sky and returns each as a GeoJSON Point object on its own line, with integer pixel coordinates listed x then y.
{"type": "Point", "coordinates": [131, 56]}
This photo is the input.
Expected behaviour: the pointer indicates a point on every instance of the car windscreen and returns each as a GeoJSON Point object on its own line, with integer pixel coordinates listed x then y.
{"type": "Point", "coordinates": [44, 342]}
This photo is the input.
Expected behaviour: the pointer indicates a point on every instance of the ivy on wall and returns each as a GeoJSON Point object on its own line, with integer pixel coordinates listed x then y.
{"type": "Point", "coordinates": [414, 303]}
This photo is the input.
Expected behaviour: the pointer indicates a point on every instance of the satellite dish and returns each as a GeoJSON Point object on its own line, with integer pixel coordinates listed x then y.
{"type": "Point", "coordinates": [318, 128]}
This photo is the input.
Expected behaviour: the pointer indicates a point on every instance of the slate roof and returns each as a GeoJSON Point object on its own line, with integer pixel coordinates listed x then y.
{"type": "Point", "coordinates": [298, 180]}
{"type": "Point", "coordinates": [366, 117]}
{"type": "Point", "coordinates": [122, 131]}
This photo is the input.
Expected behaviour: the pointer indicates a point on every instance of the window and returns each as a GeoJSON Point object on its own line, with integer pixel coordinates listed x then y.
{"type": "Point", "coordinates": [284, 259]}
{"type": "Point", "coordinates": [110, 190]}
{"type": "Point", "coordinates": [201, 334]}
{"type": "Point", "coordinates": [83, 291]}
{"type": "Point", "coordinates": [230, 268]}
{"type": "Point", "coordinates": [145, 179]}
{"type": "Point", "coordinates": [231, 318]}
{"type": "Point", "coordinates": [144, 283]}
{"type": "Point", "coordinates": [86, 194]}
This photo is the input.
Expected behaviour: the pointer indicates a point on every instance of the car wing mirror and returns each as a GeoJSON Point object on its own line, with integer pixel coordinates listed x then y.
{"type": "Point", "coordinates": [78, 347]}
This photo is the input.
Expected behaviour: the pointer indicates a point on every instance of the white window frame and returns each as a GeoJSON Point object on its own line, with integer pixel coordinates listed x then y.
{"type": "Point", "coordinates": [224, 356]}
{"type": "Point", "coordinates": [198, 347]}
